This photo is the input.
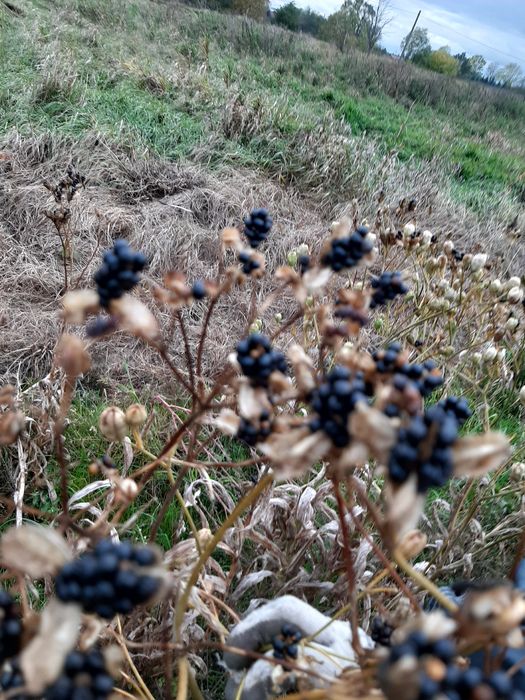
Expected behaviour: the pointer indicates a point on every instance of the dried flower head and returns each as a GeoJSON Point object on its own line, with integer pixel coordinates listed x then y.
{"type": "Point", "coordinates": [112, 424]}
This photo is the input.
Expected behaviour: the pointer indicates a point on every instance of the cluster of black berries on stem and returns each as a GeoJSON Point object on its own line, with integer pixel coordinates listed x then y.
{"type": "Point", "coordinates": [285, 644]}
{"type": "Point", "coordinates": [423, 445]}
{"type": "Point", "coordinates": [424, 377]}
{"type": "Point", "coordinates": [438, 677]}
{"type": "Point", "coordinates": [251, 434]}
{"type": "Point", "coordinates": [258, 359]}
{"type": "Point", "coordinates": [349, 250]}
{"type": "Point", "coordinates": [84, 677]}
{"type": "Point", "coordinates": [108, 580]}
{"type": "Point", "coordinates": [257, 226]}
{"type": "Point", "coordinates": [10, 627]}
{"type": "Point", "coordinates": [249, 263]}
{"type": "Point", "coordinates": [334, 400]}
{"type": "Point", "coordinates": [387, 287]}
{"type": "Point", "coordinates": [119, 272]}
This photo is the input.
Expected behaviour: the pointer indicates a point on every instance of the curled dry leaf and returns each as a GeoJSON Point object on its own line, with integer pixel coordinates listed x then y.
{"type": "Point", "coordinates": [252, 401]}
{"type": "Point", "coordinates": [43, 658]}
{"type": "Point", "coordinates": [34, 550]}
{"type": "Point", "coordinates": [476, 455]}
{"type": "Point", "coordinates": [296, 451]}
{"type": "Point", "coordinates": [303, 369]}
{"type": "Point", "coordinates": [373, 429]}
{"type": "Point", "coordinates": [412, 543]}
{"type": "Point", "coordinates": [227, 421]}
{"type": "Point", "coordinates": [404, 506]}
{"type": "Point", "coordinates": [136, 318]}
{"type": "Point", "coordinates": [79, 304]}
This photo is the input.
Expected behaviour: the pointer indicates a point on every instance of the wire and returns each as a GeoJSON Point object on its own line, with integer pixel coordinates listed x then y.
{"type": "Point", "coordinates": [520, 59]}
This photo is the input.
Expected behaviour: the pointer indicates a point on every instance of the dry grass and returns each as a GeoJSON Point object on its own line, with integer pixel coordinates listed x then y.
{"type": "Point", "coordinates": [174, 213]}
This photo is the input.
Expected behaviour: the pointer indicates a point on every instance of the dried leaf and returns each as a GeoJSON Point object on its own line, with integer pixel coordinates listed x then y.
{"type": "Point", "coordinates": [34, 550]}
{"type": "Point", "coordinates": [43, 658]}
{"type": "Point", "coordinates": [252, 402]}
{"type": "Point", "coordinates": [77, 305]}
{"type": "Point", "coordinates": [136, 318]}
{"type": "Point", "coordinates": [404, 507]}
{"type": "Point", "coordinates": [374, 429]}
{"type": "Point", "coordinates": [295, 451]}
{"type": "Point", "coordinates": [250, 580]}
{"type": "Point", "coordinates": [227, 421]}
{"type": "Point", "coordinates": [476, 455]}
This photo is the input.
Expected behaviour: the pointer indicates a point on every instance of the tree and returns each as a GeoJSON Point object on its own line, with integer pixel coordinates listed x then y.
{"type": "Point", "coordinates": [375, 21]}
{"type": "Point", "coordinates": [470, 67]}
{"type": "Point", "coordinates": [417, 45]}
{"type": "Point", "coordinates": [509, 75]}
{"type": "Point", "coordinates": [288, 16]}
{"type": "Point", "coordinates": [491, 73]}
{"type": "Point", "coordinates": [477, 65]}
{"type": "Point", "coordinates": [311, 22]}
{"type": "Point", "coordinates": [297, 19]}
{"type": "Point", "coordinates": [357, 23]}
{"type": "Point", "coordinates": [442, 62]}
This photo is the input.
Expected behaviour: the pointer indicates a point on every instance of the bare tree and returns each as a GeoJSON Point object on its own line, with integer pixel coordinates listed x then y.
{"type": "Point", "coordinates": [375, 21]}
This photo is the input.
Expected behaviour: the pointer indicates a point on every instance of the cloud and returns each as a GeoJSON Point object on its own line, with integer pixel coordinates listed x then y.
{"type": "Point", "coordinates": [495, 30]}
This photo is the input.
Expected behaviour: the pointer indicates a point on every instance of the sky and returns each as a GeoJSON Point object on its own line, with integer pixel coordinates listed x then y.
{"type": "Point", "coordinates": [493, 28]}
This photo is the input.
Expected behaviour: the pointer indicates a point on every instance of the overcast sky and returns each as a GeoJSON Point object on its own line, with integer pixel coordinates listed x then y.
{"type": "Point", "coordinates": [493, 28]}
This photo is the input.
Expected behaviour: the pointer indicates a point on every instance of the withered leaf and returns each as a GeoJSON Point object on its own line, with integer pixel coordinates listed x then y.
{"type": "Point", "coordinates": [34, 550]}
{"type": "Point", "coordinates": [43, 658]}
{"type": "Point", "coordinates": [476, 455]}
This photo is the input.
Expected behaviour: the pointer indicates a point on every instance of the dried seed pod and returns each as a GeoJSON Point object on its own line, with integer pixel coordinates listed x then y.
{"type": "Point", "coordinates": [515, 295]}
{"type": "Point", "coordinates": [136, 415]}
{"type": "Point", "coordinates": [127, 490]}
{"type": "Point", "coordinates": [112, 424]}
{"type": "Point", "coordinates": [72, 356]}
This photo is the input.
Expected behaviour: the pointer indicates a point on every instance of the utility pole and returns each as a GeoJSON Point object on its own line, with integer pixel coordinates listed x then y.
{"type": "Point", "coordinates": [410, 34]}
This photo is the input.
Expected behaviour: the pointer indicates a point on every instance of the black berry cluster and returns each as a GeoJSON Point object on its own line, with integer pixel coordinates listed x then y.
{"type": "Point", "coordinates": [348, 251]}
{"type": "Point", "coordinates": [10, 678]}
{"type": "Point", "coordinates": [258, 359]}
{"type": "Point", "coordinates": [451, 682]}
{"type": "Point", "coordinates": [108, 580]}
{"type": "Point", "coordinates": [386, 287]}
{"type": "Point", "coordinates": [334, 400]}
{"type": "Point", "coordinates": [119, 272]}
{"type": "Point", "coordinates": [10, 627]}
{"type": "Point", "coordinates": [285, 644]}
{"type": "Point", "coordinates": [249, 264]}
{"type": "Point", "coordinates": [257, 226]}
{"type": "Point", "coordinates": [423, 448]}
{"type": "Point", "coordinates": [84, 677]}
{"type": "Point", "coordinates": [381, 631]}
{"type": "Point", "coordinates": [251, 433]}
{"type": "Point", "coordinates": [424, 376]}
{"type": "Point", "coordinates": [458, 407]}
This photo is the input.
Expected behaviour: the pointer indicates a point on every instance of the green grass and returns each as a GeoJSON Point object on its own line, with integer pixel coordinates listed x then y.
{"type": "Point", "coordinates": [161, 81]}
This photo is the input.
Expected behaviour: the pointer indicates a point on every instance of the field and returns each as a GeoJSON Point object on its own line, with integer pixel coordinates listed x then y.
{"type": "Point", "coordinates": [178, 123]}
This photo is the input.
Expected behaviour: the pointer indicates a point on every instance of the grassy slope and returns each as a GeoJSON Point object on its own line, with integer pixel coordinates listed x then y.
{"type": "Point", "coordinates": [170, 80]}
{"type": "Point", "coordinates": [160, 75]}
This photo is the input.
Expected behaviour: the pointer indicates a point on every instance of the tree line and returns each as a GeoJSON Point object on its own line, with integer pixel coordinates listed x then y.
{"type": "Point", "coordinates": [359, 25]}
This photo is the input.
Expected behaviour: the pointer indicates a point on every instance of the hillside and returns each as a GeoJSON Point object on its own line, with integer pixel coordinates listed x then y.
{"type": "Point", "coordinates": [132, 91]}
{"type": "Point", "coordinates": [277, 415]}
